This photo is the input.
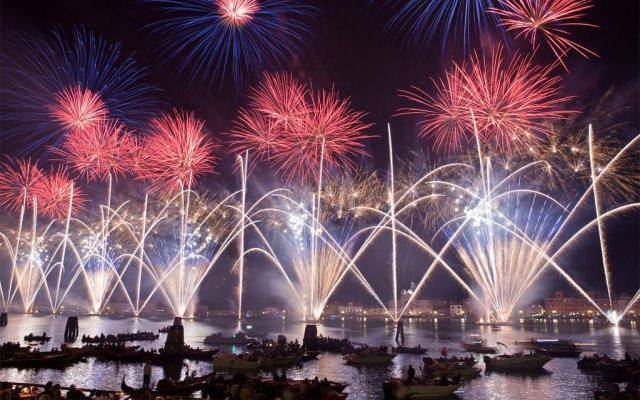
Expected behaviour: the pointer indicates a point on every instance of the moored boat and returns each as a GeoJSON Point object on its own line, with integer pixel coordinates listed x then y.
{"type": "Point", "coordinates": [237, 363]}
{"type": "Point", "coordinates": [516, 362]}
{"type": "Point", "coordinates": [409, 350]}
{"type": "Point", "coordinates": [167, 388]}
{"type": "Point", "coordinates": [37, 338]}
{"type": "Point", "coordinates": [280, 361]}
{"type": "Point", "coordinates": [369, 357]}
{"type": "Point", "coordinates": [553, 347]}
{"type": "Point", "coordinates": [399, 389]}
{"type": "Point", "coordinates": [40, 360]}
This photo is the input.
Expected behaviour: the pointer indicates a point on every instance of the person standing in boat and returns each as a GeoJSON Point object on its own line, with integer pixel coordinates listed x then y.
{"type": "Point", "coordinates": [146, 376]}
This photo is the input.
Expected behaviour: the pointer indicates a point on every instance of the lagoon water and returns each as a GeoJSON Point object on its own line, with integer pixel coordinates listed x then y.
{"type": "Point", "coordinates": [560, 380]}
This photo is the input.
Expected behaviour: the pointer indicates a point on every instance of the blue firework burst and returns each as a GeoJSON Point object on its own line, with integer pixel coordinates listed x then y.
{"type": "Point", "coordinates": [216, 40]}
{"type": "Point", "coordinates": [37, 67]}
{"type": "Point", "coordinates": [421, 21]}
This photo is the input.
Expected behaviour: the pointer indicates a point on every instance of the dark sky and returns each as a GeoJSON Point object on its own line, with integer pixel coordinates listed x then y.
{"type": "Point", "coordinates": [348, 50]}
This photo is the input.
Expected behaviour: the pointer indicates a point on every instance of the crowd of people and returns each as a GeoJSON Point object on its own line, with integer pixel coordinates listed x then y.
{"type": "Point", "coordinates": [120, 337]}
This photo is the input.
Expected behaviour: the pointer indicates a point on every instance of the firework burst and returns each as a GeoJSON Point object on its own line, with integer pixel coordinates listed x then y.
{"type": "Point", "coordinates": [234, 39]}
{"type": "Point", "coordinates": [330, 134]}
{"type": "Point", "coordinates": [512, 103]}
{"type": "Point", "coordinates": [256, 133]}
{"type": "Point", "coordinates": [176, 152]}
{"type": "Point", "coordinates": [444, 116]}
{"type": "Point", "coordinates": [281, 98]}
{"type": "Point", "coordinates": [54, 192]}
{"type": "Point", "coordinates": [100, 150]}
{"type": "Point", "coordinates": [78, 109]}
{"type": "Point", "coordinates": [420, 21]}
{"type": "Point", "coordinates": [18, 180]}
{"type": "Point", "coordinates": [237, 12]}
{"type": "Point", "coordinates": [57, 81]}
{"type": "Point", "coordinates": [546, 20]}
{"type": "Point", "coordinates": [298, 129]}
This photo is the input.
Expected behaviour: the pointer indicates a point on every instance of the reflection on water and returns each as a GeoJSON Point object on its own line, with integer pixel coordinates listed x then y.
{"type": "Point", "coordinates": [561, 378]}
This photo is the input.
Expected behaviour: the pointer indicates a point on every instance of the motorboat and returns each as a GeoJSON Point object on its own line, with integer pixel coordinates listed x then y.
{"type": "Point", "coordinates": [516, 362]}
{"type": "Point", "coordinates": [477, 344]}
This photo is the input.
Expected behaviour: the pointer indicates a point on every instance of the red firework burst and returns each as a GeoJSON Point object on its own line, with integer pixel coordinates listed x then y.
{"type": "Point", "coordinates": [511, 101]}
{"type": "Point", "coordinates": [444, 117]}
{"type": "Point", "coordinates": [256, 133]}
{"type": "Point", "coordinates": [54, 191]}
{"type": "Point", "coordinates": [329, 121]}
{"type": "Point", "coordinates": [100, 150]}
{"type": "Point", "coordinates": [176, 152]}
{"type": "Point", "coordinates": [237, 12]}
{"type": "Point", "coordinates": [547, 19]}
{"type": "Point", "coordinates": [77, 108]}
{"type": "Point", "coordinates": [281, 98]}
{"type": "Point", "coordinates": [18, 179]}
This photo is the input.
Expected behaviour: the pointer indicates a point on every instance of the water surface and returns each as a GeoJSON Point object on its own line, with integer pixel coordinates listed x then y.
{"type": "Point", "coordinates": [560, 380]}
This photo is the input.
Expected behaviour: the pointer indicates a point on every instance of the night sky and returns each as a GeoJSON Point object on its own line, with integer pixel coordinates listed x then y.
{"type": "Point", "coordinates": [348, 50]}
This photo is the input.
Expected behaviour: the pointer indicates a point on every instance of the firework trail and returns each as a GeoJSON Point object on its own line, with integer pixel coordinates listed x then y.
{"type": "Point", "coordinates": [548, 21]}
{"type": "Point", "coordinates": [229, 39]}
{"type": "Point", "coordinates": [53, 82]}
{"type": "Point", "coordinates": [176, 152]}
{"type": "Point", "coordinates": [420, 21]}
{"type": "Point", "coordinates": [501, 264]}
{"type": "Point", "coordinates": [512, 103]}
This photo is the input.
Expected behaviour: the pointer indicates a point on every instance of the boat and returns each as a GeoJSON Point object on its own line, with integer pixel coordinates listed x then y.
{"type": "Point", "coordinates": [399, 389]}
{"type": "Point", "coordinates": [369, 357]}
{"type": "Point", "coordinates": [239, 339]}
{"type": "Point", "coordinates": [516, 362]}
{"type": "Point", "coordinates": [165, 329]}
{"type": "Point", "coordinates": [552, 347]}
{"type": "Point", "coordinates": [188, 353]}
{"type": "Point", "coordinates": [310, 355]}
{"type": "Point", "coordinates": [496, 327]}
{"type": "Point", "coordinates": [477, 344]}
{"type": "Point", "coordinates": [408, 350]}
{"type": "Point", "coordinates": [280, 361]}
{"type": "Point", "coordinates": [623, 370]}
{"type": "Point", "coordinates": [120, 337]}
{"type": "Point", "coordinates": [559, 351]}
{"type": "Point", "coordinates": [237, 363]}
{"type": "Point", "coordinates": [35, 338]}
{"type": "Point", "coordinates": [40, 360]}
{"type": "Point", "coordinates": [167, 388]}
{"type": "Point", "coordinates": [478, 348]}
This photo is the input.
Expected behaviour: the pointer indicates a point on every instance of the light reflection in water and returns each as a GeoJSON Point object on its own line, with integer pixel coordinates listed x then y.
{"type": "Point", "coordinates": [562, 380]}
